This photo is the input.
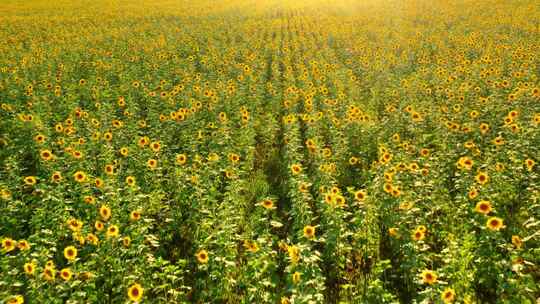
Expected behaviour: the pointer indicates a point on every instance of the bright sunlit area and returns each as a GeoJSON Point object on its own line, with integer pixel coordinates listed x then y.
{"type": "Point", "coordinates": [270, 151]}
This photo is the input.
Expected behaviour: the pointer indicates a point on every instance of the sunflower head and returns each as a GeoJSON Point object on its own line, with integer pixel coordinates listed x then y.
{"type": "Point", "coordinates": [202, 256]}
{"type": "Point", "coordinates": [309, 231]}
{"type": "Point", "coordinates": [70, 253]}
{"type": "Point", "coordinates": [448, 295]}
{"type": "Point", "coordinates": [66, 274]}
{"type": "Point", "coordinates": [29, 268]}
{"type": "Point", "coordinates": [483, 207]}
{"type": "Point", "coordinates": [429, 277]}
{"type": "Point", "coordinates": [135, 292]}
{"type": "Point", "coordinates": [494, 223]}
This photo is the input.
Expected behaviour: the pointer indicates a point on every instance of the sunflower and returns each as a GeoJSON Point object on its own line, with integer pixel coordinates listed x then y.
{"type": "Point", "coordinates": [309, 231]}
{"type": "Point", "coordinates": [268, 204]}
{"type": "Point", "coordinates": [465, 162]}
{"type": "Point", "coordinates": [482, 178]}
{"type": "Point", "coordinates": [79, 176]}
{"type": "Point", "coordinates": [89, 199]}
{"type": "Point", "coordinates": [473, 193]}
{"type": "Point", "coordinates": [49, 273]}
{"type": "Point", "coordinates": [30, 180]}
{"type": "Point", "coordinates": [416, 117]}
{"type": "Point", "coordinates": [429, 277]}
{"type": "Point", "coordinates": [23, 245]}
{"type": "Point", "coordinates": [529, 163]}
{"type": "Point", "coordinates": [77, 154]}
{"type": "Point", "coordinates": [202, 256]}
{"type": "Point", "coordinates": [516, 240]}
{"type": "Point", "coordinates": [130, 180]}
{"type": "Point", "coordinates": [70, 253]}
{"type": "Point", "coordinates": [484, 128]}
{"type": "Point", "coordinates": [296, 169]}
{"type": "Point", "coordinates": [303, 187]}
{"type": "Point", "coordinates": [74, 224]}
{"type": "Point", "coordinates": [92, 239]}
{"type": "Point", "coordinates": [418, 235]}
{"type": "Point", "coordinates": [108, 136]}
{"type": "Point", "coordinates": [41, 138]}
{"type": "Point", "coordinates": [448, 295]}
{"type": "Point", "coordinates": [8, 244]}
{"type": "Point", "coordinates": [360, 195]}
{"type": "Point", "coordinates": [109, 169]}
{"type": "Point", "coordinates": [339, 200]}
{"type": "Point", "coordinates": [105, 212]}
{"type": "Point", "coordinates": [155, 146]}
{"type": "Point", "coordinates": [181, 159]}
{"type": "Point", "coordinates": [483, 207]}
{"type": "Point", "coordinates": [234, 158]}
{"type": "Point", "coordinates": [112, 231]}
{"type": "Point", "coordinates": [498, 141]}
{"type": "Point", "coordinates": [126, 241]}
{"type": "Point", "coordinates": [252, 247]}
{"type": "Point", "coordinates": [66, 274]}
{"type": "Point", "coordinates": [135, 215]}
{"type": "Point", "coordinates": [18, 299]}
{"type": "Point", "coordinates": [385, 158]}
{"type": "Point", "coordinates": [222, 116]}
{"type": "Point", "coordinates": [98, 182]}
{"type": "Point", "coordinates": [151, 163]}
{"type": "Point", "coordinates": [117, 123]}
{"type": "Point", "coordinates": [124, 151]}
{"type": "Point", "coordinates": [135, 292]}
{"type": "Point", "coordinates": [494, 223]}
{"type": "Point", "coordinates": [29, 268]}
{"type": "Point", "coordinates": [99, 225]}
{"type": "Point", "coordinates": [46, 155]}
{"type": "Point", "coordinates": [424, 152]}
{"type": "Point", "coordinates": [393, 232]}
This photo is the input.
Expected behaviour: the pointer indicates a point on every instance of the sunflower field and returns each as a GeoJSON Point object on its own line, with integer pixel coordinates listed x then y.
{"type": "Point", "coordinates": [270, 151]}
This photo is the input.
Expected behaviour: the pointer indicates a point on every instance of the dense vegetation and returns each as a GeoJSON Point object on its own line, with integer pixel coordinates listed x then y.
{"type": "Point", "coordinates": [270, 151]}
